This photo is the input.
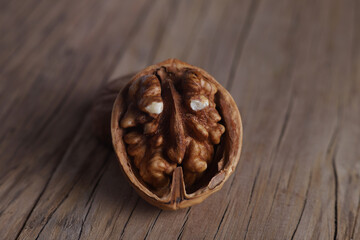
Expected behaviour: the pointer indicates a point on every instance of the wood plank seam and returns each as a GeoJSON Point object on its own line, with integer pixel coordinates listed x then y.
{"type": "Point", "coordinates": [331, 154]}
{"type": "Point", "coordinates": [70, 148]}
{"type": "Point", "coordinates": [303, 207]}
{"type": "Point", "coordinates": [92, 194]}
{"type": "Point", "coordinates": [235, 61]}
{"type": "Point", "coordinates": [139, 22]}
{"type": "Point", "coordinates": [52, 212]}
{"type": "Point", "coordinates": [285, 122]}
{"type": "Point", "coordinates": [242, 40]}
{"type": "Point", "coordinates": [127, 221]}
{"type": "Point", "coordinates": [239, 47]}
{"type": "Point", "coordinates": [289, 109]}
{"type": "Point", "coordinates": [355, 84]}
{"type": "Point", "coordinates": [296, 65]}
{"type": "Point", "coordinates": [250, 200]}
{"type": "Point", "coordinates": [222, 219]}
{"type": "Point", "coordinates": [152, 55]}
{"type": "Point", "coordinates": [356, 217]}
{"type": "Point", "coordinates": [152, 225]}
{"type": "Point", "coordinates": [145, 10]}
{"type": "Point", "coordinates": [68, 193]}
{"type": "Point", "coordinates": [162, 29]}
{"type": "Point", "coordinates": [183, 226]}
{"type": "Point", "coordinates": [200, 18]}
{"type": "Point", "coordinates": [33, 11]}
{"type": "Point", "coordinates": [188, 49]}
{"type": "Point", "coordinates": [215, 40]}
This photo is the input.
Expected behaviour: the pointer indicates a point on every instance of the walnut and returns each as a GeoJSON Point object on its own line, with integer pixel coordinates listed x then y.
{"type": "Point", "coordinates": [177, 133]}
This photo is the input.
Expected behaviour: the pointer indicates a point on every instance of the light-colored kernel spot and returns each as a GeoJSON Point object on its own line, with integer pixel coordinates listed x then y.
{"type": "Point", "coordinates": [197, 105]}
{"type": "Point", "coordinates": [155, 107]}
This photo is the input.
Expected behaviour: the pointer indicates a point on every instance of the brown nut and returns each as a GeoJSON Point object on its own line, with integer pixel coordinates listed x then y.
{"type": "Point", "coordinates": [177, 133]}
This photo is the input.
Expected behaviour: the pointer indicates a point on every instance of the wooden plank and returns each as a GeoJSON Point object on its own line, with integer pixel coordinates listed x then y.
{"type": "Point", "coordinates": [47, 83]}
{"type": "Point", "coordinates": [345, 193]}
{"type": "Point", "coordinates": [181, 33]}
{"type": "Point", "coordinates": [51, 226]}
{"type": "Point", "coordinates": [292, 67]}
{"type": "Point", "coordinates": [292, 174]}
{"type": "Point", "coordinates": [328, 64]}
{"type": "Point", "coordinates": [188, 224]}
{"type": "Point", "coordinates": [144, 218]}
{"type": "Point", "coordinates": [262, 74]}
{"type": "Point", "coordinates": [142, 214]}
{"type": "Point", "coordinates": [140, 52]}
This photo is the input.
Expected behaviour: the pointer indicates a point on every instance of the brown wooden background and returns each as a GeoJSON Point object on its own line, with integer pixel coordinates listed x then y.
{"type": "Point", "coordinates": [292, 66]}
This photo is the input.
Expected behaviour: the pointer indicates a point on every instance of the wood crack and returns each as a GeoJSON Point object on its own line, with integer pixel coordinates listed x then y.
{"type": "Point", "coordinates": [303, 207]}
{"type": "Point", "coordinates": [72, 145]}
{"type": "Point", "coordinates": [293, 29]}
{"type": "Point", "coordinates": [222, 219]}
{"type": "Point", "coordinates": [91, 197]}
{"type": "Point", "coordinates": [47, 183]}
{"type": "Point", "coordinates": [250, 199]}
{"type": "Point", "coordinates": [63, 200]}
{"type": "Point", "coordinates": [336, 183]}
{"type": "Point", "coordinates": [355, 51]}
{"type": "Point", "coordinates": [247, 226]}
{"type": "Point", "coordinates": [242, 39]}
{"type": "Point", "coordinates": [183, 226]}
{"type": "Point", "coordinates": [355, 223]}
{"type": "Point", "coordinates": [36, 203]}
{"type": "Point", "coordinates": [56, 208]}
{"type": "Point", "coordinates": [331, 155]}
{"type": "Point", "coordinates": [253, 187]}
{"type": "Point", "coordinates": [138, 23]}
{"type": "Point", "coordinates": [127, 221]}
{"type": "Point", "coordinates": [86, 215]}
{"type": "Point", "coordinates": [289, 73]}
{"type": "Point", "coordinates": [277, 147]}
{"type": "Point", "coordinates": [152, 226]}
{"type": "Point", "coordinates": [285, 122]}
{"type": "Point", "coordinates": [39, 197]}
{"type": "Point", "coordinates": [232, 182]}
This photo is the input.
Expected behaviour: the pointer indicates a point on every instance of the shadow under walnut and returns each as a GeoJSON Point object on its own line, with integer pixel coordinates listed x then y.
{"type": "Point", "coordinates": [103, 105]}
{"type": "Point", "coordinates": [176, 131]}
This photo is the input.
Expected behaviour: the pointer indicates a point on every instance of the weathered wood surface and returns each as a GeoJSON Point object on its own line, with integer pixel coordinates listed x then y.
{"type": "Point", "coordinates": [292, 66]}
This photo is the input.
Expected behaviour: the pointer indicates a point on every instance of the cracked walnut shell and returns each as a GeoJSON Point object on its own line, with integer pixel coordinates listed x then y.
{"type": "Point", "coordinates": [177, 134]}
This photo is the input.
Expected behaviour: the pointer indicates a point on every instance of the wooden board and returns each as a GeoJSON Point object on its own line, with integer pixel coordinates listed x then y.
{"type": "Point", "coordinates": [293, 68]}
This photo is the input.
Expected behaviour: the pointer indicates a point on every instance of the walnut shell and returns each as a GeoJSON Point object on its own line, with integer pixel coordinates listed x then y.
{"type": "Point", "coordinates": [177, 134]}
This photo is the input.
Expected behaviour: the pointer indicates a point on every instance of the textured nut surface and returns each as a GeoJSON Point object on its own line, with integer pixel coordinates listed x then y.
{"type": "Point", "coordinates": [177, 133]}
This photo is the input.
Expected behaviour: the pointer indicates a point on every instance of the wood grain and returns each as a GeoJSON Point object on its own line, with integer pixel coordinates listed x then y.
{"type": "Point", "coordinates": [293, 68]}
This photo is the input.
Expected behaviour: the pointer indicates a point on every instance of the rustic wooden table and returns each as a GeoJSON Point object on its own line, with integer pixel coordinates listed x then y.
{"type": "Point", "coordinates": [293, 67]}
